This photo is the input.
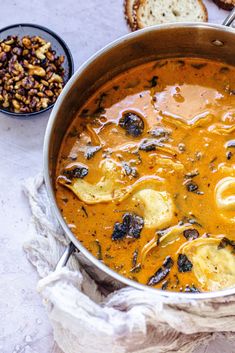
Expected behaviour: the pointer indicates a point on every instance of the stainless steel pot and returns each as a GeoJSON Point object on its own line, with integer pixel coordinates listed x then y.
{"type": "Point", "coordinates": [210, 41]}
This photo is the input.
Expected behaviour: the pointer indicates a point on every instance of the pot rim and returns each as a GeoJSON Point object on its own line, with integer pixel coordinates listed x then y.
{"type": "Point", "coordinates": [128, 282]}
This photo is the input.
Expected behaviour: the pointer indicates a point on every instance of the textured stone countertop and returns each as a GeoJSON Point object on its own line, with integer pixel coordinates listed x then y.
{"type": "Point", "coordinates": [86, 26]}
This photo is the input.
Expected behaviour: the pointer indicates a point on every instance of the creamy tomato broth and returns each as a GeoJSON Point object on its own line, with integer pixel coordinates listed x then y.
{"type": "Point", "coordinates": [146, 175]}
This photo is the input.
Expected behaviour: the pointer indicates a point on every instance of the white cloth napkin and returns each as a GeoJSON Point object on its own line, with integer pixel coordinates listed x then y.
{"type": "Point", "coordinates": [85, 320]}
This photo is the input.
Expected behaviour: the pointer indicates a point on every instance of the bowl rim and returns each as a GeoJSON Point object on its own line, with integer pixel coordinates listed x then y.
{"type": "Point", "coordinates": [67, 53]}
{"type": "Point", "coordinates": [169, 295]}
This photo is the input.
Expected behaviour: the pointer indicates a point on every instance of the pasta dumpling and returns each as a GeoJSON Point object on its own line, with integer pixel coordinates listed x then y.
{"type": "Point", "coordinates": [214, 267]}
{"type": "Point", "coordinates": [225, 198]}
{"type": "Point", "coordinates": [157, 205]}
{"type": "Point", "coordinates": [105, 190]}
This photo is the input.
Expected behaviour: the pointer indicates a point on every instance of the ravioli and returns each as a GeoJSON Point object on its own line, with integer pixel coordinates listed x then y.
{"type": "Point", "coordinates": [105, 190]}
{"type": "Point", "coordinates": [158, 208]}
{"type": "Point", "coordinates": [214, 267]}
{"type": "Point", "coordinates": [167, 237]}
{"type": "Point", "coordinates": [225, 198]}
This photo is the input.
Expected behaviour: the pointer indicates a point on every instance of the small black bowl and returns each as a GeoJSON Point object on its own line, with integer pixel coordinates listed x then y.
{"type": "Point", "coordinates": [57, 44]}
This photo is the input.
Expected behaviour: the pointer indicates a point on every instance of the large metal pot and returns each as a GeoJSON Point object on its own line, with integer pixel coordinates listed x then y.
{"type": "Point", "coordinates": [210, 41]}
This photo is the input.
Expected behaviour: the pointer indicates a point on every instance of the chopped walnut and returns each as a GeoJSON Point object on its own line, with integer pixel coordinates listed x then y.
{"type": "Point", "coordinates": [31, 74]}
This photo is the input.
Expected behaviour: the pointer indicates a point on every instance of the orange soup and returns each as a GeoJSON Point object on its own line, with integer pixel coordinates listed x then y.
{"type": "Point", "coordinates": [146, 175]}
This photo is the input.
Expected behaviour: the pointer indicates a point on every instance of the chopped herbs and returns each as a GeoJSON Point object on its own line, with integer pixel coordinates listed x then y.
{"type": "Point", "coordinates": [136, 269]}
{"type": "Point", "coordinates": [77, 171]}
{"type": "Point", "coordinates": [85, 211]}
{"type": "Point", "coordinates": [191, 234]}
{"type": "Point", "coordinates": [135, 257]}
{"type": "Point", "coordinates": [99, 250]}
{"type": "Point", "coordinates": [184, 265]}
{"type": "Point", "coordinates": [132, 123]}
{"type": "Point", "coordinates": [168, 262]}
{"type": "Point", "coordinates": [130, 227]}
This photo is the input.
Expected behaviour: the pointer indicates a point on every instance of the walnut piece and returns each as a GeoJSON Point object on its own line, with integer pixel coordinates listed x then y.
{"type": "Point", "coordinates": [31, 74]}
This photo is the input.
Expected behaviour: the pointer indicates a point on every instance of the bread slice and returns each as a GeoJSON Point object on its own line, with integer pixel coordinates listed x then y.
{"type": "Point", "coordinates": [225, 4]}
{"type": "Point", "coordinates": [129, 12]}
{"type": "Point", "coordinates": [153, 12]}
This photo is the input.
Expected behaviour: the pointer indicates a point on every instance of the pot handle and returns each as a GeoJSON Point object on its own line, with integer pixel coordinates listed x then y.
{"type": "Point", "coordinates": [70, 249]}
{"type": "Point", "coordinates": [229, 20]}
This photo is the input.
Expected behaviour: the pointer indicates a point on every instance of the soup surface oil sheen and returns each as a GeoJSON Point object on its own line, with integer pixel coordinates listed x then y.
{"type": "Point", "coordinates": [146, 175]}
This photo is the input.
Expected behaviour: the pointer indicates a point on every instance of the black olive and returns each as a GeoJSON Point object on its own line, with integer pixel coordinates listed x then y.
{"type": "Point", "coordinates": [119, 231]}
{"type": "Point", "coordinates": [132, 123]}
{"type": "Point", "coordinates": [161, 274]}
{"type": "Point", "coordinates": [191, 234]}
{"type": "Point", "coordinates": [184, 265]}
{"type": "Point", "coordinates": [78, 171]}
{"type": "Point", "coordinates": [130, 227]}
{"type": "Point", "coordinates": [168, 262]}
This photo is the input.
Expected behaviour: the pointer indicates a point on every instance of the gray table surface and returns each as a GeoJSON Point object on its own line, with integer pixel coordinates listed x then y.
{"type": "Point", "coordinates": [86, 26]}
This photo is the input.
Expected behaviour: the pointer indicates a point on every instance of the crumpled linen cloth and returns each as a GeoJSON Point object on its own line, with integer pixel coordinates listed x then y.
{"type": "Point", "coordinates": [87, 319]}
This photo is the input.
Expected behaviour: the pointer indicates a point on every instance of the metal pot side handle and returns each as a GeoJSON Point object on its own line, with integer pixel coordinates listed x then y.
{"type": "Point", "coordinates": [229, 20]}
{"type": "Point", "coordinates": [70, 249]}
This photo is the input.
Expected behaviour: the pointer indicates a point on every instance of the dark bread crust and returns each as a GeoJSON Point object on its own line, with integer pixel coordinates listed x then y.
{"type": "Point", "coordinates": [225, 4]}
{"type": "Point", "coordinates": [136, 6]}
{"type": "Point", "coordinates": [129, 14]}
